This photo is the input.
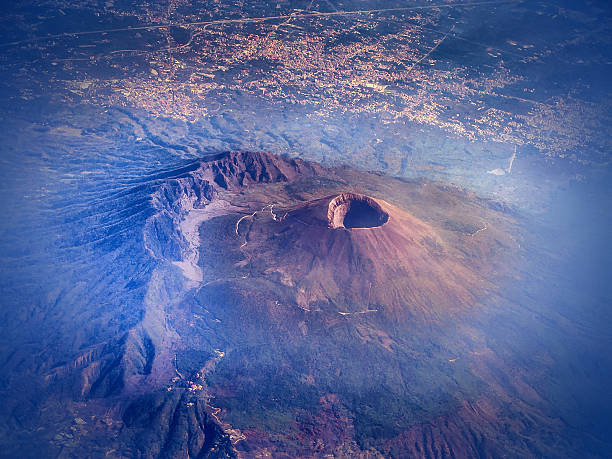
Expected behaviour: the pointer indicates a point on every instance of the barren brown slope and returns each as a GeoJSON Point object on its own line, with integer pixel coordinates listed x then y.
{"type": "Point", "coordinates": [346, 306]}
{"type": "Point", "coordinates": [394, 263]}
{"type": "Point", "coordinates": [352, 314]}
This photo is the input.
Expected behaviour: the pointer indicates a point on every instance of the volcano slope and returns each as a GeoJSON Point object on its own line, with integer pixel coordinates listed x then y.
{"type": "Point", "coordinates": [282, 308]}
{"type": "Point", "coordinates": [348, 313]}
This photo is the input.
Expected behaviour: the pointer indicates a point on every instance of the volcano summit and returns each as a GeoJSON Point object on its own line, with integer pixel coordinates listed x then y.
{"type": "Point", "coordinates": [352, 253]}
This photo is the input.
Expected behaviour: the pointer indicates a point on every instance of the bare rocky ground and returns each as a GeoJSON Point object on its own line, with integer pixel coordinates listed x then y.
{"type": "Point", "coordinates": [281, 307]}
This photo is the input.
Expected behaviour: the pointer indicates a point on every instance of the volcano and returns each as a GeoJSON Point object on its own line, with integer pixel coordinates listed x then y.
{"type": "Point", "coordinates": [293, 310]}
{"type": "Point", "coordinates": [340, 301]}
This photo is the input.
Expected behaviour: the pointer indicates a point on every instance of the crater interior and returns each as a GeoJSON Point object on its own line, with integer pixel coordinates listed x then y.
{"type": "Point", "coordinates": [351, 210]}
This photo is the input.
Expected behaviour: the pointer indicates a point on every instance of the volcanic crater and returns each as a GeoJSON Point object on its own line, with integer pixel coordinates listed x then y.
{"type": "Point", "coordinates": [351, 210]}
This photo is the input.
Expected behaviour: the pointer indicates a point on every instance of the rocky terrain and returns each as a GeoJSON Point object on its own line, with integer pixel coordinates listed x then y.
{"type": "Point", "coordinates": [288, 309]}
